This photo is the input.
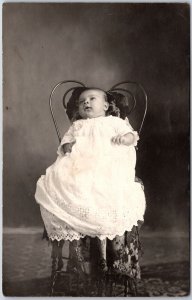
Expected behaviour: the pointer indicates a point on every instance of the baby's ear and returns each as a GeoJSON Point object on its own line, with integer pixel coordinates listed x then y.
{"type": "Point", "coordinates": [106, 105]}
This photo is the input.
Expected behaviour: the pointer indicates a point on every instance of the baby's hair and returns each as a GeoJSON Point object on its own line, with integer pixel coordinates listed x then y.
{"type": "Point", "coordinates": [73, 104]}
{"type": "Point", "coordinates": [118, 103]}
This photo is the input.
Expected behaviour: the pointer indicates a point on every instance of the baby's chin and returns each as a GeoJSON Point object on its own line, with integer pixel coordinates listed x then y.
{"type": "Point", "coordinates": [91, 115]}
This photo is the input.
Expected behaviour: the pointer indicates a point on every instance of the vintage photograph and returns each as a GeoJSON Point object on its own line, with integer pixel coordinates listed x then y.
{"type": "Point", "coordinates": [96, 149]}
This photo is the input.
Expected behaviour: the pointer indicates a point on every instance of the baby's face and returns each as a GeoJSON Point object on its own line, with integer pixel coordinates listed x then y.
{"type": "Point", "coordinates": [92, 104]}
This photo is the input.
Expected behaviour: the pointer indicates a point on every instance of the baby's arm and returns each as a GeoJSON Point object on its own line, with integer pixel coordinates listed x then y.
{"type": "Point", "coordinates": [67, 142]}
{"type": "Point", "coordinates": [125, 133]}
{"type": "Point", "coordinates": [127, 139]}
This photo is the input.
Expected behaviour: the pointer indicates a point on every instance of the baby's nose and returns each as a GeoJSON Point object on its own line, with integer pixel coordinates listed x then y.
{"type": "Point", "coordinates": [86, 100]}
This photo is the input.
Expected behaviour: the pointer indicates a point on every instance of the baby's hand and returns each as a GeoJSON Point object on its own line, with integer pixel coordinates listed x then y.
{"type": "Point", "coordinates": [126, 139]}
{"type": "Point", "coordinates": [67, 148]}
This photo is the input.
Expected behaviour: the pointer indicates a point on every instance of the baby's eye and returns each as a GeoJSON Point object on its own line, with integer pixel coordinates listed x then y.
{"type": "Point", "coordinates": [92, 98]}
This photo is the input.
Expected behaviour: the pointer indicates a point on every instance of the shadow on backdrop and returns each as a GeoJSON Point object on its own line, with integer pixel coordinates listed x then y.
{"type": "Point", "coordinates": [99, 44]}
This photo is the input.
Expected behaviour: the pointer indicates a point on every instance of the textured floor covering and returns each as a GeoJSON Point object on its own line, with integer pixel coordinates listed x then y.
{"type": "Point", "coordinates": [27, 264]}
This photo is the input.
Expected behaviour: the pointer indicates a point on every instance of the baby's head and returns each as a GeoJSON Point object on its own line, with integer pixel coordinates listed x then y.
{"type": "Point", "coordinates": [87, 103]}
{"type": "Point", "coordinates": [93, 102]}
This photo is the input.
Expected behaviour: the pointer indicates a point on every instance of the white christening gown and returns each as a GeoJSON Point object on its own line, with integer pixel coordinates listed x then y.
{"type": "Point", "coordinates": [92, 190]}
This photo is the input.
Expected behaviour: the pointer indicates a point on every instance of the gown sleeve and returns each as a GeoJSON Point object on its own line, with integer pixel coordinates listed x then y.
{"type": "Point", "coordinates": [67, 138]}
{"type": "Point", "coordinates": [123, 127]}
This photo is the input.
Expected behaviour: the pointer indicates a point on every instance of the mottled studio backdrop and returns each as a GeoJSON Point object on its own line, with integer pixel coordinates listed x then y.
{"type": "Point", "coordinates": [98, 44]}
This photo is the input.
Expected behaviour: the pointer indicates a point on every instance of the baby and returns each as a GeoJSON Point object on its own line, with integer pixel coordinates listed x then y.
{"type": "Point", "coordinates": [90, 190]}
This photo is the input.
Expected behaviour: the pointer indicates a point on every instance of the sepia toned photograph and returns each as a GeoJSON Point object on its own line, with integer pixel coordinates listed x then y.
{"type": "Point", "coordinates": [96, 149]}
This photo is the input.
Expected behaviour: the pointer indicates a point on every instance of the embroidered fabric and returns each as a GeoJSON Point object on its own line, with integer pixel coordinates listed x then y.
{"type": "Point", "coordinates": [58, 229]}
{"type": "Point", "coordinates": [92, 190]}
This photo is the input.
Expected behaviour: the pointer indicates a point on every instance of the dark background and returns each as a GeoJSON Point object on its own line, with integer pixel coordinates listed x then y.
{"type": "Point", "coordinates": [100, 45]}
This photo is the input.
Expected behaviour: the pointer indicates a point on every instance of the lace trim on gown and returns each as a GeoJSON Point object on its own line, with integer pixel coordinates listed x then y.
{"type": "Point", "coordinates": [59, 230]}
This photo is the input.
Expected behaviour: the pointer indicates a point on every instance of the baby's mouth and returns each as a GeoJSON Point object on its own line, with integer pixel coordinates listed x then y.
{"type": "Point", "coordinates": [87, 108]}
